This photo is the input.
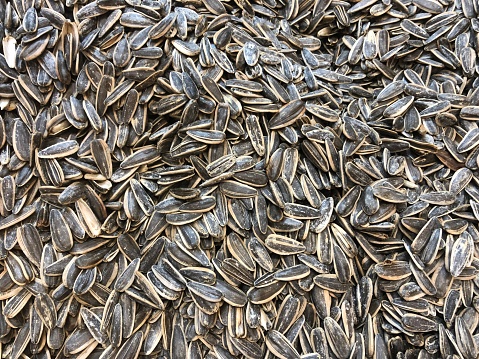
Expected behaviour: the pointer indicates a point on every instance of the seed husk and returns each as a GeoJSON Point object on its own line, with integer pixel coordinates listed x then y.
{"type": "Point", "coordinates": [295, 179]}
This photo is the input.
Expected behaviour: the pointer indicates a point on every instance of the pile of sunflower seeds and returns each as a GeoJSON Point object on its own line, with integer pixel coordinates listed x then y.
{"type": "Point", "coordinates": [239, 179]}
